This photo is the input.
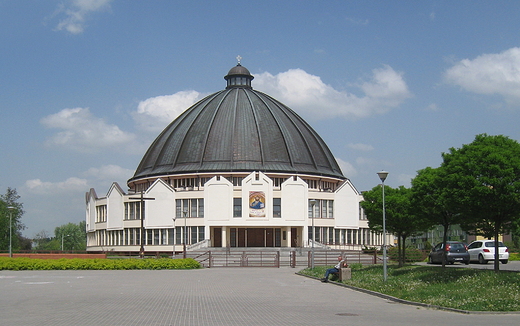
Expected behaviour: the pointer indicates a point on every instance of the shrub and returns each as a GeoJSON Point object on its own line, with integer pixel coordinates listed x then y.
{"type": "Point", "coordinates": [411, 254]}
{"type": "Point", "coordinates": [95, 264]}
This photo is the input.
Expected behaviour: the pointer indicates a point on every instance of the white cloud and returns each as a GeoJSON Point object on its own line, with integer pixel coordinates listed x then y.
{"type": "Point", "coordinates": [83, 132]}
{"type": "Point", "coordinates": [307, 93]}
{"type": "Point", "coordinates": [357, 21]}
{"type": "Point", "coordinates": [497, 73]}
{"type": "Point", "coordinates": [362, 161]}
{"type": "Point", "coordinates": [348, 169]}
{"type": "Point", "coordinates": [110, 173]}
{"type": "Point", "coordinates": [361, 147]}
{"type": "Point", "coordinates": [432, 107]}
{"type": "Point", "coordinates": [155, 113]}
{"type": "Point", "coordinates": [50, 188]}
{"type": "Point", "coordinates": [76, 13]}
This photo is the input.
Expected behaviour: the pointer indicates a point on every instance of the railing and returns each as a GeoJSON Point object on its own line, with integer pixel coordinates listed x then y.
{"type": "Point", "coordinates": [327, 258]}
{"type": "Point", "coordinates": [277, 258]}
{"type": "Point", "coordinates": [199, 245]}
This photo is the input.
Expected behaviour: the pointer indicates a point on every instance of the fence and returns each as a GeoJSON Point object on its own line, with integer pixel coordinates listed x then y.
{"type": "Point", "coordinates": [278, 258]}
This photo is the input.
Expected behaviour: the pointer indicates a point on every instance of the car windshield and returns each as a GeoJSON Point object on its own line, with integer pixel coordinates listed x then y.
{"type": "Point", "coordinates": [492, 244]}
{"type": "Point", "coordinates": [456, 245]}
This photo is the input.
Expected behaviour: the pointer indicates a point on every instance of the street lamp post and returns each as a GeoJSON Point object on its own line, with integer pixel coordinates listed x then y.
{"type": "Point", "coordinates": [313, 203]}
{"type": "Point", "coordinates": [141, 199]}
{"type": "Point", "coordinates": [10, 208]}
{"type": "Point", "coordinates": [63, 237]}
{"type": "Point", "coordinates": [382, 175]}
{"type": "Point", "coordinates": [185, 233]}
{"type": "Point", "coordinates": [173, 237]}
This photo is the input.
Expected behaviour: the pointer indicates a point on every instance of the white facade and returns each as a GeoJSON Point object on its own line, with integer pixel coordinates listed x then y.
{"type": "Point", "coordinates": [219, 211]}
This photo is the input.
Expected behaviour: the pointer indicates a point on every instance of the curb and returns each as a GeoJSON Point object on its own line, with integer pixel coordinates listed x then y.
{"type": "Point", "coordinates": [413, 303]}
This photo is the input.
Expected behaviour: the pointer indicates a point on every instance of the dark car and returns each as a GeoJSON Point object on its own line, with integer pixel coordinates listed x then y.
{"type": "Point", "coordinates": [455, 252]}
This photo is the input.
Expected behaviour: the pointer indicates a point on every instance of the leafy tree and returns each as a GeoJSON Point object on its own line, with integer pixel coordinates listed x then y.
{"type": "Point", "coordinates": [484, 178]}
{"type": "Point", "coordinates": [10, 199]}
{"type": "Point", "coordinates": [431, 198]}
{"type": "Point", "coordinates": [399, 218]}
{"type": "Point", "coordinates": [73, 236]}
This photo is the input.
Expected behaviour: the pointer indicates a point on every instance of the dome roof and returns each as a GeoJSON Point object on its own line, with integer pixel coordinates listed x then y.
{"type": "Point", "coordinates": [238, 130]}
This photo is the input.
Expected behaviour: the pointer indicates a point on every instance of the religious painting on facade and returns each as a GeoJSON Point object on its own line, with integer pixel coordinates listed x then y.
{"type": "Point", "coordinates": [256, 204]}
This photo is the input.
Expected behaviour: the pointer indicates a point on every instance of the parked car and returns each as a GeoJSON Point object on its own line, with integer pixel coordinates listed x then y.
{"type": "Point", "coordinates": [455, 252]}
{"type": "Point", "coordinates": [484, 251]}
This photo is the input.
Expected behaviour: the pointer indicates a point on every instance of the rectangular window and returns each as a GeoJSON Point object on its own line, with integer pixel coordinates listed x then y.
{"type": "Point", "coordinates": [193, 232]}
{"type": "Point", "coordinates": [149, 237]}
{"type": "Point", "coordinates": [314, 214]}
{"type": "Point", "coordinates": [233, 237]}
{"type": "Point", "coordinates": [201, 207]}
{"type": "Point", "coordinates": [101, 213]}
{"type": "Point", "coordinates": [133, 210]}
{"type": "Point", "coordinates": [201, 233]}
{"type": "Point", "coordinates": [237, 207]}
{"type": "Point", "coordinates": [178, 234]}
{"type": "Point", "coordinates": [164, 236]}
{"type": "Point", "coordinates": [277, 237]}
{"type": "Point", "coordinates": [277, 207]}
{"type": "Point", "coordinates": [137, 236]}
{"type": "Point", "coordinates": [170, 236]}
{"type": "Point", "coordinates": [193, 207]}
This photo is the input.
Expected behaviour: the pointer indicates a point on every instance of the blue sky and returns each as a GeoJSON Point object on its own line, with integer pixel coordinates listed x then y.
{"type": "Point", "coordinates": [86, 85]}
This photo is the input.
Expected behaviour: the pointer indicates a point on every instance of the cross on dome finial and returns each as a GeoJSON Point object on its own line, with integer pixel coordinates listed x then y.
{"type": "Point", "coordinates": [239, 58]}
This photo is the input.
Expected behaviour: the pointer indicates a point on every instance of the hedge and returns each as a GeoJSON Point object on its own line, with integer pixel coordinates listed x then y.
{"type": "Point", "coordinates": [18, 264]}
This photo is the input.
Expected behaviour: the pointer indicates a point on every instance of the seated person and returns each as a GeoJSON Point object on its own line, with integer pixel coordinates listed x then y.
{"type": "Point", "coordinates": [335, 269]}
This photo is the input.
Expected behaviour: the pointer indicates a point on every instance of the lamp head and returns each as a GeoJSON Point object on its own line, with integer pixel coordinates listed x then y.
{"type": "Point", "coordinates": [382, 175]}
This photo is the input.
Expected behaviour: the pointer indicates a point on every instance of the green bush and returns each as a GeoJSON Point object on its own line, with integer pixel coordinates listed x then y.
{"type": "Point", "coordinates": [95, 264]}
{"type": "Point", "coordinates": [411, 254]}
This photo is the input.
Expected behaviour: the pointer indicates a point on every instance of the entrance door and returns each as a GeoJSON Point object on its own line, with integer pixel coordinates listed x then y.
{"type": "Point", "coordinates": [294, 237]}
{"type": "Point", "coordinates": [217, 237]}
{"type": "Point", "coordinates": [269, 237]}
{"type": "Point", "coordinates": [255, 237]}
{"type": "Point", "coordinates": [241, 237]}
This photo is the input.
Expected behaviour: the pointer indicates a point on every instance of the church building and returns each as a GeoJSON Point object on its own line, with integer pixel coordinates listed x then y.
{"type": "Point", "coordinates": [236, 169]}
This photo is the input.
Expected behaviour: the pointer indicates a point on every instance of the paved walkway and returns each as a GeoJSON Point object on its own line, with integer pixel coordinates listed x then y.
{"type": "Point", "coordinates": [217, 296]}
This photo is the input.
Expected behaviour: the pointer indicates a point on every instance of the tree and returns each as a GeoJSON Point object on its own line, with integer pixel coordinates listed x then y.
{"type": "Point", "coordinates": [72, 236]}
{"type": "Point", "coordinates": [431, 199]}
{"type": "Point", "coordinates": [399, 219]}
{"type": "Point", "coordinates": [484, 178]}
{"type": "Point", "coordinates": [10, 199]}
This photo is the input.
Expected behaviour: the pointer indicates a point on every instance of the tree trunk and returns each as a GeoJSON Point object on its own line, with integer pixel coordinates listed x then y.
{"type": "Point", "coordinates": [496, 261]}
{"type": "Point", "coordinates": [444, 240]}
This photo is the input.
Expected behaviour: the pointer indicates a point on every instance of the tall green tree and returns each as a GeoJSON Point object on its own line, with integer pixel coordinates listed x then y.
{"type": "Point", "coordinates": [485, 180]}
{"type": "Point", "coordinates": [400, 219]}
{"type": "Point", "coordinates": [72, 236]}
{"type": "Point", "coordinates": [13, 216]}
{"type": "Point", "coordinates": [431, 198]}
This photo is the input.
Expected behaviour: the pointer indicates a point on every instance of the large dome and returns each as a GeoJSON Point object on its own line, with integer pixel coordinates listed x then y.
{"type": "Point", "coordinates": [238, 130]}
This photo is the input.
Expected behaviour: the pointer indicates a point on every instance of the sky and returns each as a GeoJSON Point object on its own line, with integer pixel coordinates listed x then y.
{"type": "Point", "coordinates": [87, 85]}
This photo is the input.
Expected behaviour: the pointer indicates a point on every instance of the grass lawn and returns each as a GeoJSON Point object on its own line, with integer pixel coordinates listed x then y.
{"type": "Point", "coordinates": [459, 288]}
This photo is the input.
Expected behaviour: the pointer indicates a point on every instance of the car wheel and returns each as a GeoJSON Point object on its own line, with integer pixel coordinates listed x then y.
{"type": "Point", "coordinates": [430, 261]}
{"type": "Point", "coordinates": [466, 262]}
{"type": "Point", "coordinates": [504, 261]}
{"type": "Point", "coordinates": [481, 260]}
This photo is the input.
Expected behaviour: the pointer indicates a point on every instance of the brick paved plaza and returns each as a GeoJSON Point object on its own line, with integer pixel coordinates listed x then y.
{"type": "Point", "coordinates": [217, 296]}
